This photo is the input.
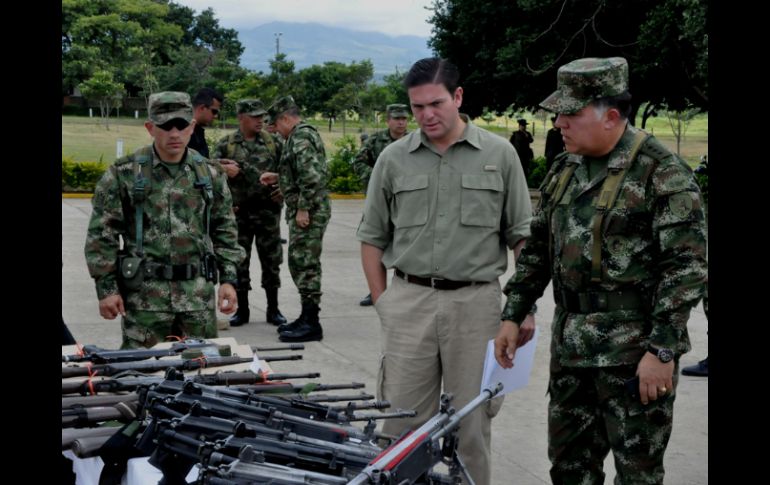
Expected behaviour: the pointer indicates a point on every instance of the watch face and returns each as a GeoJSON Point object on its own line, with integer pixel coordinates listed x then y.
{"type": "Point", "coordinates": [665, 355]}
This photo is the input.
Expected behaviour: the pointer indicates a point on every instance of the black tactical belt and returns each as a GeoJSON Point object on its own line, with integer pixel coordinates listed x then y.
{"type": "Point", "coordinates": [435, 283]}
{"type": "Point", "coordinates": [603, 301]}
{"type": "Point", "coordinates": [172, 272]}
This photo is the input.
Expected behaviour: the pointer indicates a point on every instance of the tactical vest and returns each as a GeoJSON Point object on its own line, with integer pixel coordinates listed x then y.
{"type": "Point", "coordinates": [142, 168]}
{"type": "Point", "coordinates": [556, 186]}
{"type": "Point", "coordinates": [266, 137]}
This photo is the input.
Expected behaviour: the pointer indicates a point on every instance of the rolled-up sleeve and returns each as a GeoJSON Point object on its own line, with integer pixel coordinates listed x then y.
{"type": "Point", "coordinates": [376, 227]}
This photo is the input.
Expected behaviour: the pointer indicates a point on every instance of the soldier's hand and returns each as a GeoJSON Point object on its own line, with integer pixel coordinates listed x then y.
{"type": "Point", "coordinates": [526, 330]}
{"type": "Point", "coordinates": [111, 306]}
{"type": "Point", "coordinates": [302, 218]}
{"type": "Point", "coordinates": [506, 343]}
{"type": "Point", "coordinates": [276, 195]}
{"type": "Point", "coordinates": [655, 378]}
{"type": "Point", "coordinates": [268, 178]}
{"type": "Point", "coordinates": [227, 300]}
{"type": "Point", "coordinates": [231, 167]}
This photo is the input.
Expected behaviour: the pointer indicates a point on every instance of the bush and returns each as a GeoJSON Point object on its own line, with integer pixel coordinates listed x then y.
{"type": "Point", "coordinates": [80, 176]}
{"type": "Point", "coordinates": [537, 172]}
{"type": "Point", "coordinates": [342, 178]}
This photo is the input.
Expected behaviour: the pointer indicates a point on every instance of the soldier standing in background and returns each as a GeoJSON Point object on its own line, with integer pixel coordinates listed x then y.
{"type": "Point", "coordinates": [206, 106]}
{"type": "Point", "coordinates": [373, 146]}
{"type": "Point", "coordinates": [173, 211]}
{"type": "Point", "coordinates": [521, 140]}
{"type": "Point", "coordinates": [303, 178]}
{"type": "Point", "coordinates": [554, 144]}
{"type": "Point", "coordinates": [620, 231]}
{"type": "Point", "coordinates": [244, 156]}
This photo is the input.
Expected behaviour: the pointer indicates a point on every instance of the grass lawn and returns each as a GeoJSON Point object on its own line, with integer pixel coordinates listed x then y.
{"type": "Point", "coordinates": [86, 139]}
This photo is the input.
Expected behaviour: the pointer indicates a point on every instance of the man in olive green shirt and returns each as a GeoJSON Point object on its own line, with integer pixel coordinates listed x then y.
{"type": "Point", "coordinates": [443, 204]}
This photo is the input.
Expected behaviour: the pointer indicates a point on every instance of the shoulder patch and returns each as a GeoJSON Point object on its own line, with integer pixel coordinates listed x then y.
{"type": "Point", "coordinates": [680, 204]}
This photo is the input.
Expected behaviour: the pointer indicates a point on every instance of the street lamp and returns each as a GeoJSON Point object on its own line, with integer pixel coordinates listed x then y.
{"type": "Point", "coordinates": [277, 43]}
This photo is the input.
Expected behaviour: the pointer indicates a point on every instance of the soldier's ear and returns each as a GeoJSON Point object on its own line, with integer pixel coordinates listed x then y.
{"type": "Point", "coordinates": [612, 117]}
{"type": "Point", "coordinates": [149, 125]}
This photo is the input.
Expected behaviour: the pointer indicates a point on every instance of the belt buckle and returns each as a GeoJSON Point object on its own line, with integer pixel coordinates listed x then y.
{"type": "Point", "coordinates": [433, 282]}
{"type": "Point", "coordinates": [599, 301]}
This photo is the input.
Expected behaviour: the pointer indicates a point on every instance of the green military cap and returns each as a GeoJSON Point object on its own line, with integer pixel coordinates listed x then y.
{"type": "Point", "coordinates": [251, 107]}
{"type": "Point", "coordinates": [280, 105]}
{"type": "Point", "coordinates": [167, 105]}
{"type": "Point", "coordinates": [584, 80]}
{"type": "Point", "coordinates": [397, 111]}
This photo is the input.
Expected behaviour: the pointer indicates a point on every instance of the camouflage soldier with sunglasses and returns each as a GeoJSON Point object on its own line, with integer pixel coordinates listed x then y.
{"type": "Point", "coordinates": [172, 209]}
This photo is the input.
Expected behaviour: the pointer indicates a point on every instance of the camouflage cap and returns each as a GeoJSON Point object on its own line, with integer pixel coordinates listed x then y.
{"type": "Point", "coordinates": [397, 111]}
{"type": "Point", "coordinates": [584, 80]}
{"type": "Point", "coordinates": [167, 105]}
{"type": "Point", "coordinates": [280, 105]}
{"type": "Point", "coordinates": [251, 107]}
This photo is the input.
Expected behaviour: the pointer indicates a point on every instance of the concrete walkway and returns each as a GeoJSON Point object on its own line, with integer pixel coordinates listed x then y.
{"type": "Point", "coordinates": [350, 349]}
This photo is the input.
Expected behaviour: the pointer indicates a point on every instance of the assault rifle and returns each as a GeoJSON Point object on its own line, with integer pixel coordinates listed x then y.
{"type": "Point", "coordinates": [91, 386]}
{"type": "Point", "coordinates": [97, 355]}
{"type": "Point", "coordinates": [410, 459]}
{"type": "Point", "coordinates": [156, 365]}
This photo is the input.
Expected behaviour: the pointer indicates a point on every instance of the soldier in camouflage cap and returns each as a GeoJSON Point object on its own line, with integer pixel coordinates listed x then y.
{"type": "Point", "coordinates": [245, 155]}
{"type": "Point", "coordinates": [620, 232]}
{"type": "Point", "coordinates": [302, 177]}
{"type": "Point", "coordinates": [372, 147]}
{"type": "Point", "coordinates": [174, 215]}
{"type": "Point", "coordinates": [584, 80]}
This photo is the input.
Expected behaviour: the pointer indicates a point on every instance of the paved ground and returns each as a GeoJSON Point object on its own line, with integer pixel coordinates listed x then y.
{"type": "Point", "coordinates": [349, 351]}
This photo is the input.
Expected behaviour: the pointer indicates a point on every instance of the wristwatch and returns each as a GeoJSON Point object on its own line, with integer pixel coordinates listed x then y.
{"type": "Point", "coordinates": [664, 355]}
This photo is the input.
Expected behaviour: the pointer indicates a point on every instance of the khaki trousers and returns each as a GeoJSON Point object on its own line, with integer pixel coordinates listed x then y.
{"type": "Point", "coordinates": [430, 337]}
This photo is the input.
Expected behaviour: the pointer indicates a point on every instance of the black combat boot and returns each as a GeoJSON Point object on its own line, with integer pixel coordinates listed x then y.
{"type": "Point", "coordinates": [285, 327]}
{"type": "Point", "coordinates": [273, 314]}
{"type": "Point", "coordinates": [242, 314]}
{"type": "Point", "coordinates": [309, 328]}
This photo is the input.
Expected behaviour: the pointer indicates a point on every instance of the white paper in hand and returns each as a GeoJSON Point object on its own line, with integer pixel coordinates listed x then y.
{"type": "Point", "coordinates": [513, 378]}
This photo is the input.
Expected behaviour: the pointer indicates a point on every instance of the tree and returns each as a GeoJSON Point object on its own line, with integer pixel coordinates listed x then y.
{"type": "Point", "coordinates": [509, 52]}
{"type": "Point", "coordinates": [102, 88]}
{"type": "Point", "coordinates": [137, 39]}
{"type": "Point", "coordinates": [679, 121]}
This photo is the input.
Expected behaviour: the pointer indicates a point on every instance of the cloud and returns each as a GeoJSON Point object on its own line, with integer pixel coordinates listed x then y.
{"type": "Point", "coordinates": [393, 17]}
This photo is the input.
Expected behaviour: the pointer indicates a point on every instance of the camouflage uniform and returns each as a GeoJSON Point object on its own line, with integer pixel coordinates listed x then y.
{"type": "Point", "coordinates": [174, 242]}
{"type": "Point", "coordinates": [652, 270]}
{"type": "Point", "coordinates": [373, 146]}
{"type": "Point", "coordinates": [303, 179]}
{"type": "Point", "coordinates": [257, 215]}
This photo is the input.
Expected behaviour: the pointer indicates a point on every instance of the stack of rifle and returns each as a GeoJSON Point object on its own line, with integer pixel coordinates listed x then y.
{"type": "Point", "coordinates": [238, 427]}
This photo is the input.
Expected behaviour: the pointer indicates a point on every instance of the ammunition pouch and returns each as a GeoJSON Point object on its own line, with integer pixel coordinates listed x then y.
{"type": "Point", "coordinates": [210, 268]}
{"type": "Point", "coordinates": [130, 272]}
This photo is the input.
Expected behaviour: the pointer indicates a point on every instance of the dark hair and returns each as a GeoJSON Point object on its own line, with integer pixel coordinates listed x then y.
{"type": "Point", "coordinates": [206, 97]}
{"type": "Point", "coordinates": [433, 70]}
{"type": "Point", "coordinates": [621, 102]}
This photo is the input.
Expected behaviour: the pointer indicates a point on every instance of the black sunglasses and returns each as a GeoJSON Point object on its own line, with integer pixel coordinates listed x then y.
{"type": "Point", "coordinates": [177, 123]}
{"type": "Point", "coordinates": [214, 111]}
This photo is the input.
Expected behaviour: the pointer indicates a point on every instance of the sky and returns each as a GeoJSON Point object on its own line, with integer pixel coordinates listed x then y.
{"type": "Point", "coordinates": [393, 17]}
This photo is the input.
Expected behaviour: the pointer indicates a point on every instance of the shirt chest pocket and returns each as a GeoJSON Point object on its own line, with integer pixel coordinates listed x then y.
{"type": "Point", "coordinates": [482, 198]}
{"type": "Point", "coordinates": [410, 201]}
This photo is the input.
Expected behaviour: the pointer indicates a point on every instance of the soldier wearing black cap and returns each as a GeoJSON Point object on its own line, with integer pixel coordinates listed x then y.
{"type": "Point", "coordinates": [521, 140]}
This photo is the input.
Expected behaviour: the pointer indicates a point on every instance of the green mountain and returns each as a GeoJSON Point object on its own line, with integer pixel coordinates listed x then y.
{"type": "Point", "coordinates": [311, 43]}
